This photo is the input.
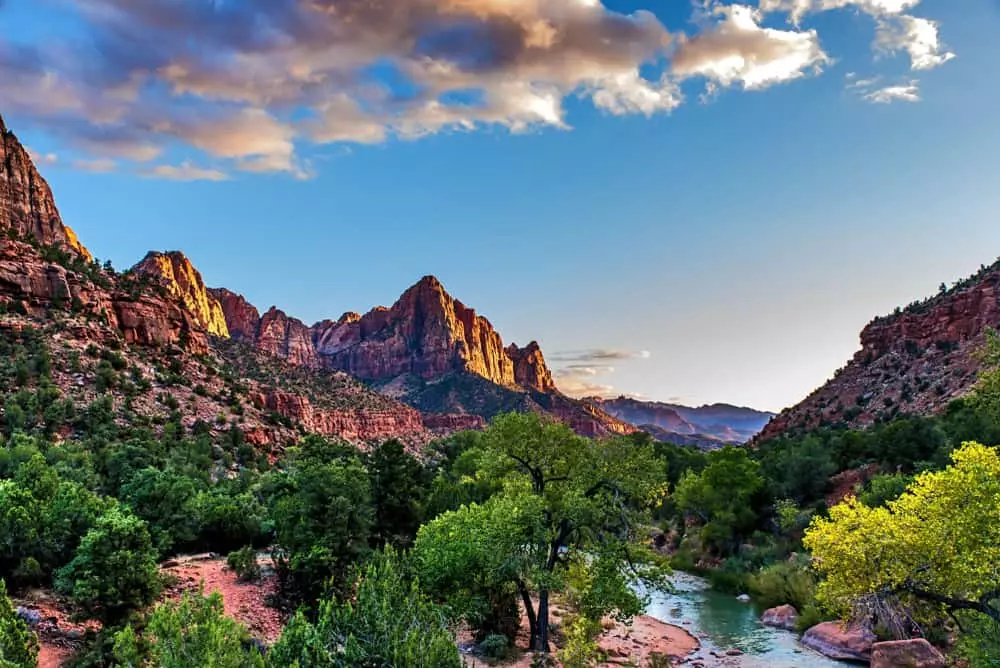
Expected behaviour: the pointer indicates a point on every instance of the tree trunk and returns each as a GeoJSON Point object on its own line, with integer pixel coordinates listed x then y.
{"type": "Point", "coordinates": [543, 620]}
{"type": "Point", "coordinates": [529, 610]}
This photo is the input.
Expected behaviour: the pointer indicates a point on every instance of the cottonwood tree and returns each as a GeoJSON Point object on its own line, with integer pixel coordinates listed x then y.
{"type": "Point", "coordinates": [934, 549]}
{"type": "Point", "coordinates": [564, 500]}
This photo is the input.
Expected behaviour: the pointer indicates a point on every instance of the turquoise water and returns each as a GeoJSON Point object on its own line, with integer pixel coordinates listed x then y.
{"type": "Point", "coordinates": [721, 622]}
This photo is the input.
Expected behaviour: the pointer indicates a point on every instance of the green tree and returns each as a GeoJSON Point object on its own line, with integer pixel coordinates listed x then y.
{"type": "Point", "coordinates": [398, 489]}
{"type": "Point", "coordinates": [194, 631]}
{"type": "Point", "coordinates": [321, 509]}
{"type": "Point", "coordinates": [719, 498]}
{"type": "Point", "coordinates": [388, 622]}
{"type": "Point", "coordinates": [934, 549]}
{"type": "Point", "coordinates": [114, 571]}
{"type": "Point", "coordinates": [18, 645]}
{"type": "Point", "coordinates": [164, 500]}
{"type": "Point", "coordinates": [567, 496]}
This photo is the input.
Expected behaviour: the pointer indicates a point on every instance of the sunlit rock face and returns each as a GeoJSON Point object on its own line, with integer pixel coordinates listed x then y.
{"type": "Point", "coordinates": [27, 208]}
{"type": "Point", "coordinates": [175, 272]}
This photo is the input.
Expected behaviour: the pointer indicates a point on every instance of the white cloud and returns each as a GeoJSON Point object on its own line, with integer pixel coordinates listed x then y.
{"type": "Point", "coordinates": [186, 171]}
{"type": "Point", "coordinates": [737, 50]}
{"type": "Point", "coordinates": [916, 36]}
{"type": "Point", "coordinates": [797, 9]}
{"type": "Point", "coordinates": [909, 92]}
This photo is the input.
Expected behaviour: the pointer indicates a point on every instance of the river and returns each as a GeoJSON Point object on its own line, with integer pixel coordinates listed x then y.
{"type": "Point", "coordinates": [721, 622]}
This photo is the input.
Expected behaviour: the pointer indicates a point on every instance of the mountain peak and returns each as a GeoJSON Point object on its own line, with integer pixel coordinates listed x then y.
{"type": "Point", "coordinates": [174, 271]}
{"type": "Point", "coordinates": [26, 204]}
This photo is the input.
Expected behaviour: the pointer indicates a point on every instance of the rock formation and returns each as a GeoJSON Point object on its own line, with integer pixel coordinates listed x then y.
{"type": "Point", "coordinates": [915, 653]}
{"type": "Point", "coordinates": [530, 370]}
{"type": "Point", "coordinates": [426, 333]}
{"type": "Point", "coordinates": [841, 642]}
{"type": "Point", "coordinates": [27, 208]}
{"type": "Point", "coordinates": [176, 273]}
{"type": "Point", "coordinates": [354, 424]}
{"type": "Point", "coordinates": [242, 318]}
{"type": "Point", "coordinates": [285, 337]}
{"type": "Point", "coordinates": [914, 361]}
{"type": "Point", "coordinates": [782, 617]}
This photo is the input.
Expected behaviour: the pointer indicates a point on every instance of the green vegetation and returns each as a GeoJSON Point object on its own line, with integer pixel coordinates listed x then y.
{"type": "Point", "coordinates": [18, 645]}
{"type": "Point", "coordinates": [191, 632]}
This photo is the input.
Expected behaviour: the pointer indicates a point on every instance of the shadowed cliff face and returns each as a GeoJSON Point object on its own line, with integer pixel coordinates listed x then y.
{"type": "Point", "coordinates": [915, 361]}
{"type": "Point", "coordinates": [176, 273]}
{"type": "Point", "coordinates": [26, 204]}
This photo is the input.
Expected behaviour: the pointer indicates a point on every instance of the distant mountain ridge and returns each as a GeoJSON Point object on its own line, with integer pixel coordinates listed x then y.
{"type": "Point", "coordinates": [913, 361]}
{"type": "Point", "coordinates": [705, 426]}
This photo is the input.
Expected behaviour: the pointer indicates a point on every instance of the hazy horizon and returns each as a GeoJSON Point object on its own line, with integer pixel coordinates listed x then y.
{"type": "Point", "coordinates": [696, 204]}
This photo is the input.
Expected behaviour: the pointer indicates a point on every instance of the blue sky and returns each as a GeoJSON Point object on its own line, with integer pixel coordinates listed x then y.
{"type": "Point", "coordinates": [741, 238]}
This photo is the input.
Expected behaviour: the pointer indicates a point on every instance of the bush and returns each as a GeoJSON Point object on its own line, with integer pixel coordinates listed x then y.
{"type": "Point", "coordinates": [244, 564]}
{"type": "Point", "coordinates": [784, 583]}
{"type": "Point", "coordinates": [389, 622]}
{"type": "Point", "coordinates": [18, 645]}
{"type": "Point", "coordinates": [495, 646]}
{"type": "Point", "coordinates": [192, 632]}
{"type": "Point", "coordinates": [114, 571]}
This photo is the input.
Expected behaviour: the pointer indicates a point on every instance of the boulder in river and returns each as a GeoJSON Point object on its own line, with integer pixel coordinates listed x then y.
{"type": "Point", "coordinates": [841, 641]}
{"type": "Point", "coordinates": [916, 653]}
{"type": "Point", "coordinates": [743, 598]}
{"type": "Point", "coordinates": [782, 617]}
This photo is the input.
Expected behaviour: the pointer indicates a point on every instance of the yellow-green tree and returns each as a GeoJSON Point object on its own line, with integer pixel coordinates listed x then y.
{"type": "Point", "coordinates": [933, 551]}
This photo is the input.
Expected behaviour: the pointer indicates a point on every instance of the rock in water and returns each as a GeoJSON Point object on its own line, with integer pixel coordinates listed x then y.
{"type": "Point", "coordinates": [839, 641]}
{"type": "Point", "coordinates": [916, 653]}
{"type": "Point", "coordinates": [782, 617]}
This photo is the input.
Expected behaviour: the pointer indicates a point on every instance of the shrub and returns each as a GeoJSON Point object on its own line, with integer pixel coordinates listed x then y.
{"type": "Point", "coordinates": [495, 646]}
{"type": "Point", "coordinates": [114, 571]}
{"type": "Point", "coordinates": [244, 564]}
{"type": "Point", "coordinates": [192, 632]}
{"type": "Point", "coordinates": [784, 582]}
{"type": "Point", "coordinates": [18, 645]}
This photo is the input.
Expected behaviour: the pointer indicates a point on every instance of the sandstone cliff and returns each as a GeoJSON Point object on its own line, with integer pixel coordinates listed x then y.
{"type": "Point", "coordinates": [27, 208]}
{"type": "Point", "coordinates": [914, 361]}
{"type": "Point", "coordinates": [530, 370]}
{"type": "Point", "coordinates": [176, 273]}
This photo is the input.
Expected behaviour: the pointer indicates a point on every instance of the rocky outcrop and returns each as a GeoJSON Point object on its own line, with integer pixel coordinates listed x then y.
{"type": "Point", "coordinates": [914, 361]}
{"type": "Point", "coordinates": [356, 424]}
{"type": "Point", "coordinates": [27, 208]}
{"type": "Point", "coordinates": [288, 338]}
{"type": "Point", "coordinates": [841, 642]}
{"type": "Point", "coordinates": [916, 653]}
{"type": "Point", "coordinates": [242, 318]}
{"type": "Point", "coordinates": [175, 272]}
{"type": "Point", "coordinates": [449, 423]}
{"type": "Point", "coordinates": [530, 370]}
{"type": "Point", "coordinates": [781, 617]}
{"type": "Point", "coordinates": [148, 320]}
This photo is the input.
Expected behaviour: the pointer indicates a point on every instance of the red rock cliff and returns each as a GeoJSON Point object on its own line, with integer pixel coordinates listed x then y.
{"type": "Point", "coordinates": [176, 273]}
{"type": "Point", "coordinates": [427, 332]}
{"type": "Point", "coordinates": [27, 207]}
{"type": "Point", "coordinates": [530, 370]}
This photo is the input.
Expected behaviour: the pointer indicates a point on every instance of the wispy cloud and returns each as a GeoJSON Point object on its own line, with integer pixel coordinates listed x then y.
{"type": "Point", "coordinates": [185, 171]}
{"type": "Point", "coordinates": [96, 166]}
{"type": "Point", "coordinates": [43, 159]}
{"type": "Point", "coordinates": [917, 37]}
{"type": "Point", "coordinates": [598, 355]}
{"type": "Point", "coordinates": [909, 92]}
{"type": "Point", "coordinates": [584, 373]}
